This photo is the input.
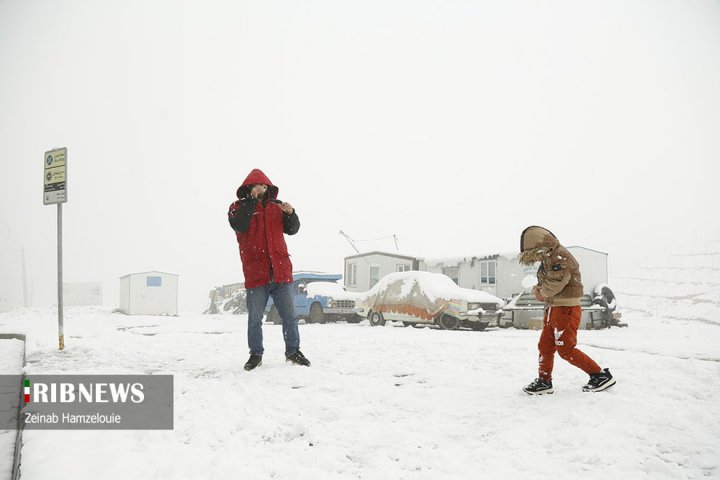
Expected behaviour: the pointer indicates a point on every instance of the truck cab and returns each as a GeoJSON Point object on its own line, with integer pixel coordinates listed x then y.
{"type": "Point", "coordinates": [319, 298]}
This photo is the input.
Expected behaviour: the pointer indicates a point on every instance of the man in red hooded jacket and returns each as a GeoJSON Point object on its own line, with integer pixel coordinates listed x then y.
{"type": "Point", "coordinates": [260, 221]}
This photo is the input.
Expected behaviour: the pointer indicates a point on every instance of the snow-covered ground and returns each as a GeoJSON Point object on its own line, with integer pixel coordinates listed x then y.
{"type": "Point", "coordinates": [385, 402]}
{"type": "Point", "coordinates": [392, 402]}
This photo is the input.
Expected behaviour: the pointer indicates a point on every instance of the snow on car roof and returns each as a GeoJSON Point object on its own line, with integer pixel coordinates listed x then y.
{"type": "Point", "coordinates": [322, 288]}
{"type": "Point", "coordinates": [328, 289]}
{"type": "Point", "coordinates": [433, 286]}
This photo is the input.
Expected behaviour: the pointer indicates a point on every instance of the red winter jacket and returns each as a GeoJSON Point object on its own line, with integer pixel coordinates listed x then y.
{"type": "Point", "coordinates": [260, 227]}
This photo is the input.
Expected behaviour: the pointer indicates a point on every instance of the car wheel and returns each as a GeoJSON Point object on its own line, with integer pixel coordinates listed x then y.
{"type": "Point", "coordinates": [273, 316]}
{"type": "Point", "coordinates": [448, 322]}
{"type": "Point", "coordinates": [376, 319]}
{"type": "Point", "coordinates": [316, 313]}
{"type": "Point", "coordinates": [479, 326]}
{"type": "Point", "coordinates": [354, 319]}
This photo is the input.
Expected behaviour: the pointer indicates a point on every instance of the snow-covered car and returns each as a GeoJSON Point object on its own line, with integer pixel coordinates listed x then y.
{"type": "Point", "coordinates": [424, 298]}
{"type": "Point", "coordinates": [598, 311]}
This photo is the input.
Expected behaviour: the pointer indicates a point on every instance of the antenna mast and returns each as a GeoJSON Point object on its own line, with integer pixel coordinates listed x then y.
{"type": "Point", "coordinates": [350, 241]}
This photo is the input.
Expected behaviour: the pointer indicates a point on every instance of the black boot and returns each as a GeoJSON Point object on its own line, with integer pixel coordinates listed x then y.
{"type": "Point", "coordinates": [298, 359]}
{"type": "Point", "coordinates": [599, 381]}
{"type": "Point", "coordinates": [255, 360]}
{"type": "Point", "coordinates": [539, 387]}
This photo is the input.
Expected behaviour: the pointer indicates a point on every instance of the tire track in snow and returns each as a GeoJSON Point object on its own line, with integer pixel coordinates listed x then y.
{"type": "Point", "coordinates": [618, 349]}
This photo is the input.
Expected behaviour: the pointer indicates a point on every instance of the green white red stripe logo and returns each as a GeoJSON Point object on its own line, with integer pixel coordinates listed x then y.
{"type": "Point", "coordinates": [27, 391]}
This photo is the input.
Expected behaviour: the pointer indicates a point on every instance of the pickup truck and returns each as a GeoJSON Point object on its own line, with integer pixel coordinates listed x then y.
{"type": "Point", "coordinates": [318, 299]}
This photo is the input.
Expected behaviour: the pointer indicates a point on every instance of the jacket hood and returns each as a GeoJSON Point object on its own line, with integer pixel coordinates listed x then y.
{"type": "Point", "coordinates": [254, 177]}
{"type": "Point", "coordinates": [535, 237]}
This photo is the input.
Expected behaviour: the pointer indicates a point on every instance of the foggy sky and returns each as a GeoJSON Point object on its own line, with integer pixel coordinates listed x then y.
{"type": "Point", "coordinates": [451, 124]}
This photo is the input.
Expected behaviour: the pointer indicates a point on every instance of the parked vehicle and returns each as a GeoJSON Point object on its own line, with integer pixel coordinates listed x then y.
{"type": "Point", "coordinates": [598, 311]}
{"type": "Point", "coordinates": [423, 298]}
{"type": "Point", "coordinates": [318, 299]}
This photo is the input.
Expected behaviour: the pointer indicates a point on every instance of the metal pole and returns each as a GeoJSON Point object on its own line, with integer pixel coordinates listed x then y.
{"type": "Point", "coordinates": [61, 334]}
{"type": "Point", "coordinates": [24, 280]}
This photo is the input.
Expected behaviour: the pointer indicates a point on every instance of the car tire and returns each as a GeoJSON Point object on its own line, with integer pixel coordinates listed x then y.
{"type": "Point", "coordinates": [273, 316]}
{"type": "Point", "coordinates": [376, 319]}
{"type": "Point", "coordinates": [479, 326]}
{"type": "Point", "coordinates": [316, 313]}
{"type": "Point", "coordinates": [448, 322]}
{"type": "Point", "coordinates": [354, 319]}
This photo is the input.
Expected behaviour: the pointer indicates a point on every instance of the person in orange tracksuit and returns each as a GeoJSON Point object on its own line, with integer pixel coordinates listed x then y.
{"type": "Point", "coordinates": [560, 287]}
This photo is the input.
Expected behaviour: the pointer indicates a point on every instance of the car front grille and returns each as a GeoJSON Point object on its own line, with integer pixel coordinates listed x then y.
{"type": "Point", "coordinates": [344, 303]}
{"type": "Point", "coordinates": [489, 307]}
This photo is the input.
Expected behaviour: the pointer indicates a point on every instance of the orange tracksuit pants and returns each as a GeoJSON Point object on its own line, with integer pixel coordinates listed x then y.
{"type": "Point", "coordinates": [559, 333]}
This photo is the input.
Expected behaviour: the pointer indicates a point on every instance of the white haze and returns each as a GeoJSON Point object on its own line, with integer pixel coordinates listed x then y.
{"type": "Point", "coordinates": [451, 124]}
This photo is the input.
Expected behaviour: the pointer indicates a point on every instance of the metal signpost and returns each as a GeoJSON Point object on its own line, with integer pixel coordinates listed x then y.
{"type": "Point", "coordinates": [55, 192]}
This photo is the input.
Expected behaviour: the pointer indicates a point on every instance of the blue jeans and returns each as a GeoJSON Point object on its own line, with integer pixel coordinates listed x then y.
{"type": "Point", "coordinates": [284, 299]}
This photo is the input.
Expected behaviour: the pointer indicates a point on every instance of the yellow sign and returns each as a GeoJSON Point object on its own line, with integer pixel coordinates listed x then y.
{"type": "Point", "coordinates": [54, 175]}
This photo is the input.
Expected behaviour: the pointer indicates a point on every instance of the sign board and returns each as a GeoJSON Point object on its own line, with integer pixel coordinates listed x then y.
{"type": "Point", "coordinates": [55, 176]}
